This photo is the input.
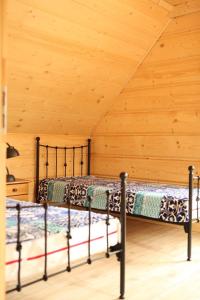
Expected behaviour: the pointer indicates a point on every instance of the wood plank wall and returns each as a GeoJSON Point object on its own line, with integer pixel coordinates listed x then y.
{"type": "Point", "coordinates": [2, 157]}
{"type": "Point", "coordinates": [23, 166]}
{"type": "Point", "coordinates": [153, 129]}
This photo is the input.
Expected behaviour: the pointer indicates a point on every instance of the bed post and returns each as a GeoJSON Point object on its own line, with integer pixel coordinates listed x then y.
{"type": "Point", "coordinates": [19, 247]}
{"type": "Point", "coordinates": [123, 177]}
{"type": "Point", "coordinates": [89, 156]}
{"type": "Point", "coordinates": [37, 175]}
{"type": "Point", "coordinates": [189, 248]}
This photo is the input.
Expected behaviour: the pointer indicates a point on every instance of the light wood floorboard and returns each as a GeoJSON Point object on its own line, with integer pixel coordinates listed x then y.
{"type": "Point", "coordinates": [156, 269]}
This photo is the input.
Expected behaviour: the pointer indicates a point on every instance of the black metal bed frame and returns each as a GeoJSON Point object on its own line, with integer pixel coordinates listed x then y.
{"type": "Point", "coordinates": [187, 225]}
{"type": "Point", "coordinates": [65, 149]}
{"type": "Point", "coordinates": [119, 249]}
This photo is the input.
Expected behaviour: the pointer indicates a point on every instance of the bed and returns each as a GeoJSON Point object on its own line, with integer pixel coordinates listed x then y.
{"type": "Point", "coordinates": [43, 241]}
{"type": "Point", "coordinates": [158, 201]}
{"type": "Point", "coordinates": [161, 202]}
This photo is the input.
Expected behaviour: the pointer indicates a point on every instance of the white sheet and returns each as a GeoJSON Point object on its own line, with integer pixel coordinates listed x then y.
{"type": "Point", "coordinates": [32, 263]}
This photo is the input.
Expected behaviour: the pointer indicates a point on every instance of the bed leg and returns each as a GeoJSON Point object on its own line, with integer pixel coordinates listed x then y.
{"type": "Point", "coordinates": [123, 177]}
{"type": "Point", "coordinates": [189, 241]}
{"type": "Point", "coordinates": [19, 247]}
{"type": "Point", "coordinates": [45, 276]}
{"type": "Point", "coordinates": [189, 249]}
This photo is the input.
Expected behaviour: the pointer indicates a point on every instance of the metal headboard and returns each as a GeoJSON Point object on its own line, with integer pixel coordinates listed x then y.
{"type": "Point", "coordinates": [65, 165]}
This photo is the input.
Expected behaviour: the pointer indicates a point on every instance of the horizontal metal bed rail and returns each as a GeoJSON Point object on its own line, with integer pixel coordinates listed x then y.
{"type": "Point", "coordinates": [63, 148]}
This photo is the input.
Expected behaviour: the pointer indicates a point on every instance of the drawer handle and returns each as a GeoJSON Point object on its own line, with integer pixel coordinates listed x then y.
{"type": "Point", "coordinates": [14, 190]}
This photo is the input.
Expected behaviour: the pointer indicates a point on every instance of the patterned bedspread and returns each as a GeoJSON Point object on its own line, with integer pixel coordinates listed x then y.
{"type": "Point", "coordinates": [32, 220]}
{"type": "Point", "coordinates": [159, 201]}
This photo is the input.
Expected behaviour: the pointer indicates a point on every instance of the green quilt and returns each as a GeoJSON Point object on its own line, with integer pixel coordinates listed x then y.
{"type": "Point", "coordinates": [148, 204]}
{"type": "Point", "coordinates": [56, 190]}
{"type": "Point", "coordinates": [98, 196]}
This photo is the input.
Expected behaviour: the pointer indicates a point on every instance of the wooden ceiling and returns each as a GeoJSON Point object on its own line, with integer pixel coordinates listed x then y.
{"type": "Point", "coordinates": [176, 2]}
{"type": "Point", "coordinates": [68, 60]}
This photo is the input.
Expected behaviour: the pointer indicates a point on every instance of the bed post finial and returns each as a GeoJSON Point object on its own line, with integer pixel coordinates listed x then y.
{"type": "Point", "coordinates": [123, 177]}
{"type": "Point", "coordinates": [191, 168]}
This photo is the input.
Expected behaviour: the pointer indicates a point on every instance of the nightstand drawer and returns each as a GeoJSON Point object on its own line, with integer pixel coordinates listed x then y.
{"type": "Point", "coordinates": [17, 189]}
{"type": "Point", "coordinates": [21, 197]}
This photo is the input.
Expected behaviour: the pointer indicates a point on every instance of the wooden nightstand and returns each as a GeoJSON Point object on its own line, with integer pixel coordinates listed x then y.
{"type": "Point", "coordinates": [19, 189]}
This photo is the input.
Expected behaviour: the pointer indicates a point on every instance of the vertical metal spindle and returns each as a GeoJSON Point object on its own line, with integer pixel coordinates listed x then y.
{"type": "Point", "coordinates": [45, 276]}
{"type": "Point", "coordinates": [68, 236]}
{"type": "Point", "coordinates": [73, 159]}
{"type": "Point", "coordinates": [65, 163]}
{"type": "Point", "coordinates": [89, 261]}
{"type": "Point", "coordinates": [189, 249]}
{"type": "Point", "coordinates": [81, 160]}
{"type": "Point", "coordinates": [47, 160]}
{"type": "Point", "coordinates": [123, 177]}
{"type": "Point", "coordinates": [37, 171]}
{"type": "Point", "coordinates": [18, 248]}
{"type": "Point", "coordinates": [198, 187]}
{"type": "Point", "coordinates": [89, 156]}
{"type": "Point", "coordinates": [107, 224]}
{"type": "Point", "coordinates": [56, 161]}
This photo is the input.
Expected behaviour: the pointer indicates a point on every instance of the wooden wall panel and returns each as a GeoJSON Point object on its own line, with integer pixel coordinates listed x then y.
{"type": "Point", "coordinates": [174, 122]}
{"type": "Point", "coordinates": [137, 146]}
{"type": "Point", "coordinates": [2, 151]}
{"type": "Point", "coordinates": [23, 166]}
{"type": "Point", "coordinates": [176, 98]}
{"type": "Point", "coordinates": [147, 169]}
{"type": "Point", "coordinates": [70, 54]}
{"type": "Point", "coordinates": [179, 2]}
{"type": "Point", "coordinates": [153, 129]}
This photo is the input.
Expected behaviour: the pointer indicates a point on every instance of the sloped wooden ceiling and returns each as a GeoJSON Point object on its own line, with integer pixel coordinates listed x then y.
{"type": "Point", "coordinates": [68, 60]}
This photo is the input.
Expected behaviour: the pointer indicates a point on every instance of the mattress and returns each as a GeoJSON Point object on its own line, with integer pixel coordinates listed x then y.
{"type": "Point", "coordinates": [32, 238]}
{"type": "Point", "coordinates": [158, 201]}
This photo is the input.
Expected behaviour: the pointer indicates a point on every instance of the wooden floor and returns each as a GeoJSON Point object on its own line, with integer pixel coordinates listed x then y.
{"type": "Point", "coordinates": [156, 270]}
